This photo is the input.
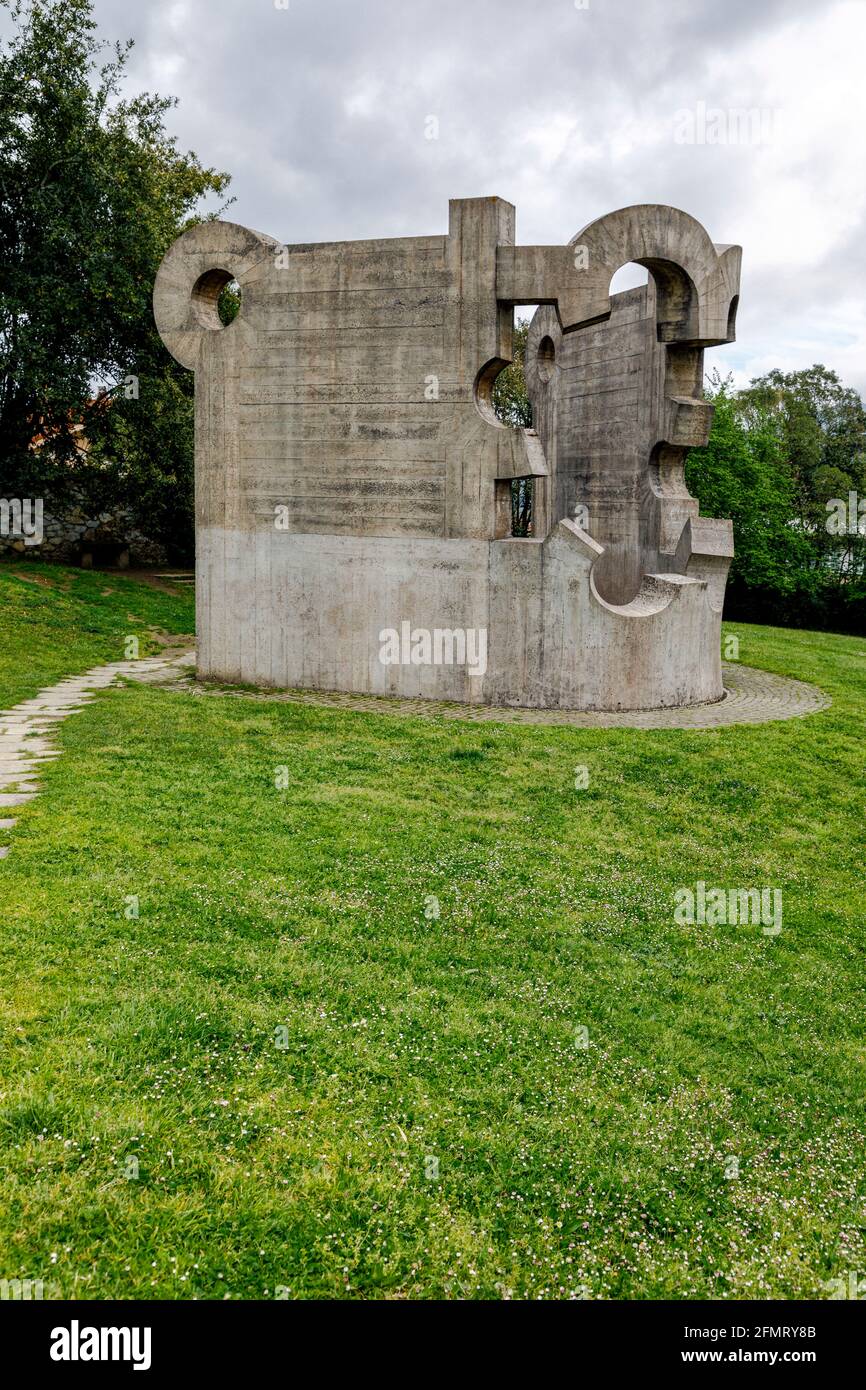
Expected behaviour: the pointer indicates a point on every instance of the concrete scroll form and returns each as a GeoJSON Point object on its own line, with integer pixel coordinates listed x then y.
{"type": "Point", "coordinates": [353, 484]}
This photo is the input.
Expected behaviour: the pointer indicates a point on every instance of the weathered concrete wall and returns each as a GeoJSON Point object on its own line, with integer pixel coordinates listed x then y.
{"type": "Point", "coordinates": [347, 459]}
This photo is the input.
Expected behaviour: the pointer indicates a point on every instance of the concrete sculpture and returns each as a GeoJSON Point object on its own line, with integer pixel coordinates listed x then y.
{"type": "Point", "coordinates": [353, 484]}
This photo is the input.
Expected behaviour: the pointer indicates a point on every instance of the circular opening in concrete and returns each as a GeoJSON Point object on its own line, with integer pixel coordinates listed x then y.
{"type": "Point", "coordinates": [216, 298]}
{"type": "Point", "coordinates": [546, 358]}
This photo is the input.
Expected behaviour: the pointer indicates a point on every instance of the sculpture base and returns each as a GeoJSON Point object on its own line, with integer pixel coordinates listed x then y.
{"type": "Point", "coordinates": [508, 622]}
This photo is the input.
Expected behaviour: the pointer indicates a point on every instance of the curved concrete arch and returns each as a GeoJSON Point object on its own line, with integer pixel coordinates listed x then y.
{"type": "Point", "coordinates": [679, 254]}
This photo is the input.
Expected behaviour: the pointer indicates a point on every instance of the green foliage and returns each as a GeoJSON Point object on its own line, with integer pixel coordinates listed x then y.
{"type": "Point", "coordinates": [823, 427]}
{"type": "Point", "coordinates": [511, 404]}
{"type": "Point", "coordinates": [229, 303]}
{"type": "Point", "coordinates": [742, 474]}
{"type": "Point", "coordinates": [510, 400]}
{"type": "Point", "coordinates": [779, 451]}
{"type": "Point", "coordinates": [92, 192]}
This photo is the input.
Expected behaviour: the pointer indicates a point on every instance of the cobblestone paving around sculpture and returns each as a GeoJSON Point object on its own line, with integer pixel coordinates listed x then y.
{"type": "Point", "coordinates": [751, 697]}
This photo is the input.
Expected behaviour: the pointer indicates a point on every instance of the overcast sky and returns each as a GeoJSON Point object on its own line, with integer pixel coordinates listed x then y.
{"type": "Point", "coordinates": [320, 111]}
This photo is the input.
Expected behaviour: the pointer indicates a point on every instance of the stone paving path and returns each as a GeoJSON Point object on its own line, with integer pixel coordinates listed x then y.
{"type": "Point", "coordinates": [25, 743]}
{"type": "Point", "coordinates": [751, 697]}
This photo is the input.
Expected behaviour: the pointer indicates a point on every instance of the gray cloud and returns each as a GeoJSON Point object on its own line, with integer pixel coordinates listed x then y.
{"type": "Point", "coordinates": [319, 113]}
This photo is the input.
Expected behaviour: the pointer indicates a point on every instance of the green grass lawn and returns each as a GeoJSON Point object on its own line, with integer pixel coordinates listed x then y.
{"type": "Point", "coordinates": [287, 1073]}
{"type": "Point", "coordinates": [55, 621]}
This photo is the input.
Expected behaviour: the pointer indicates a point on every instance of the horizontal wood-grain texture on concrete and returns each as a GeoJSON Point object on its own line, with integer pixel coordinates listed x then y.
{"type": "Point", "coordinates": [351, 476]}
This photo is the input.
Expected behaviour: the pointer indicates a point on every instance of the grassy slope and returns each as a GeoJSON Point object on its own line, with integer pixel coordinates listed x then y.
{"type": "Point", "coordinates": [560, 1168]}
{"type": "Point", "coordinates": [55, 621]}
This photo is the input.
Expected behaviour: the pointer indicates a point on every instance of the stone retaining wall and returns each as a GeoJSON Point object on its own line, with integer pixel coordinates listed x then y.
{"type": "Point", "coordinates": [73, 533]}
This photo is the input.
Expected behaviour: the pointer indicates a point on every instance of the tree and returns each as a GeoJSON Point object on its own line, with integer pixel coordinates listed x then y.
{"type": "Point", "coordinates": [742, 474]}
{"type": "Point", "coordinates": [823, 428]}
{"type": "Point", "coordinates": [92, 192]}
{"type": "Point", "coordinates": [512, 406]}
{"type": "Point", "coordinates": [779, 451]}
{"type": "Point", "coordinates": [510, 400]}
{"type": "Point", "coordinates": [823, 425]}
